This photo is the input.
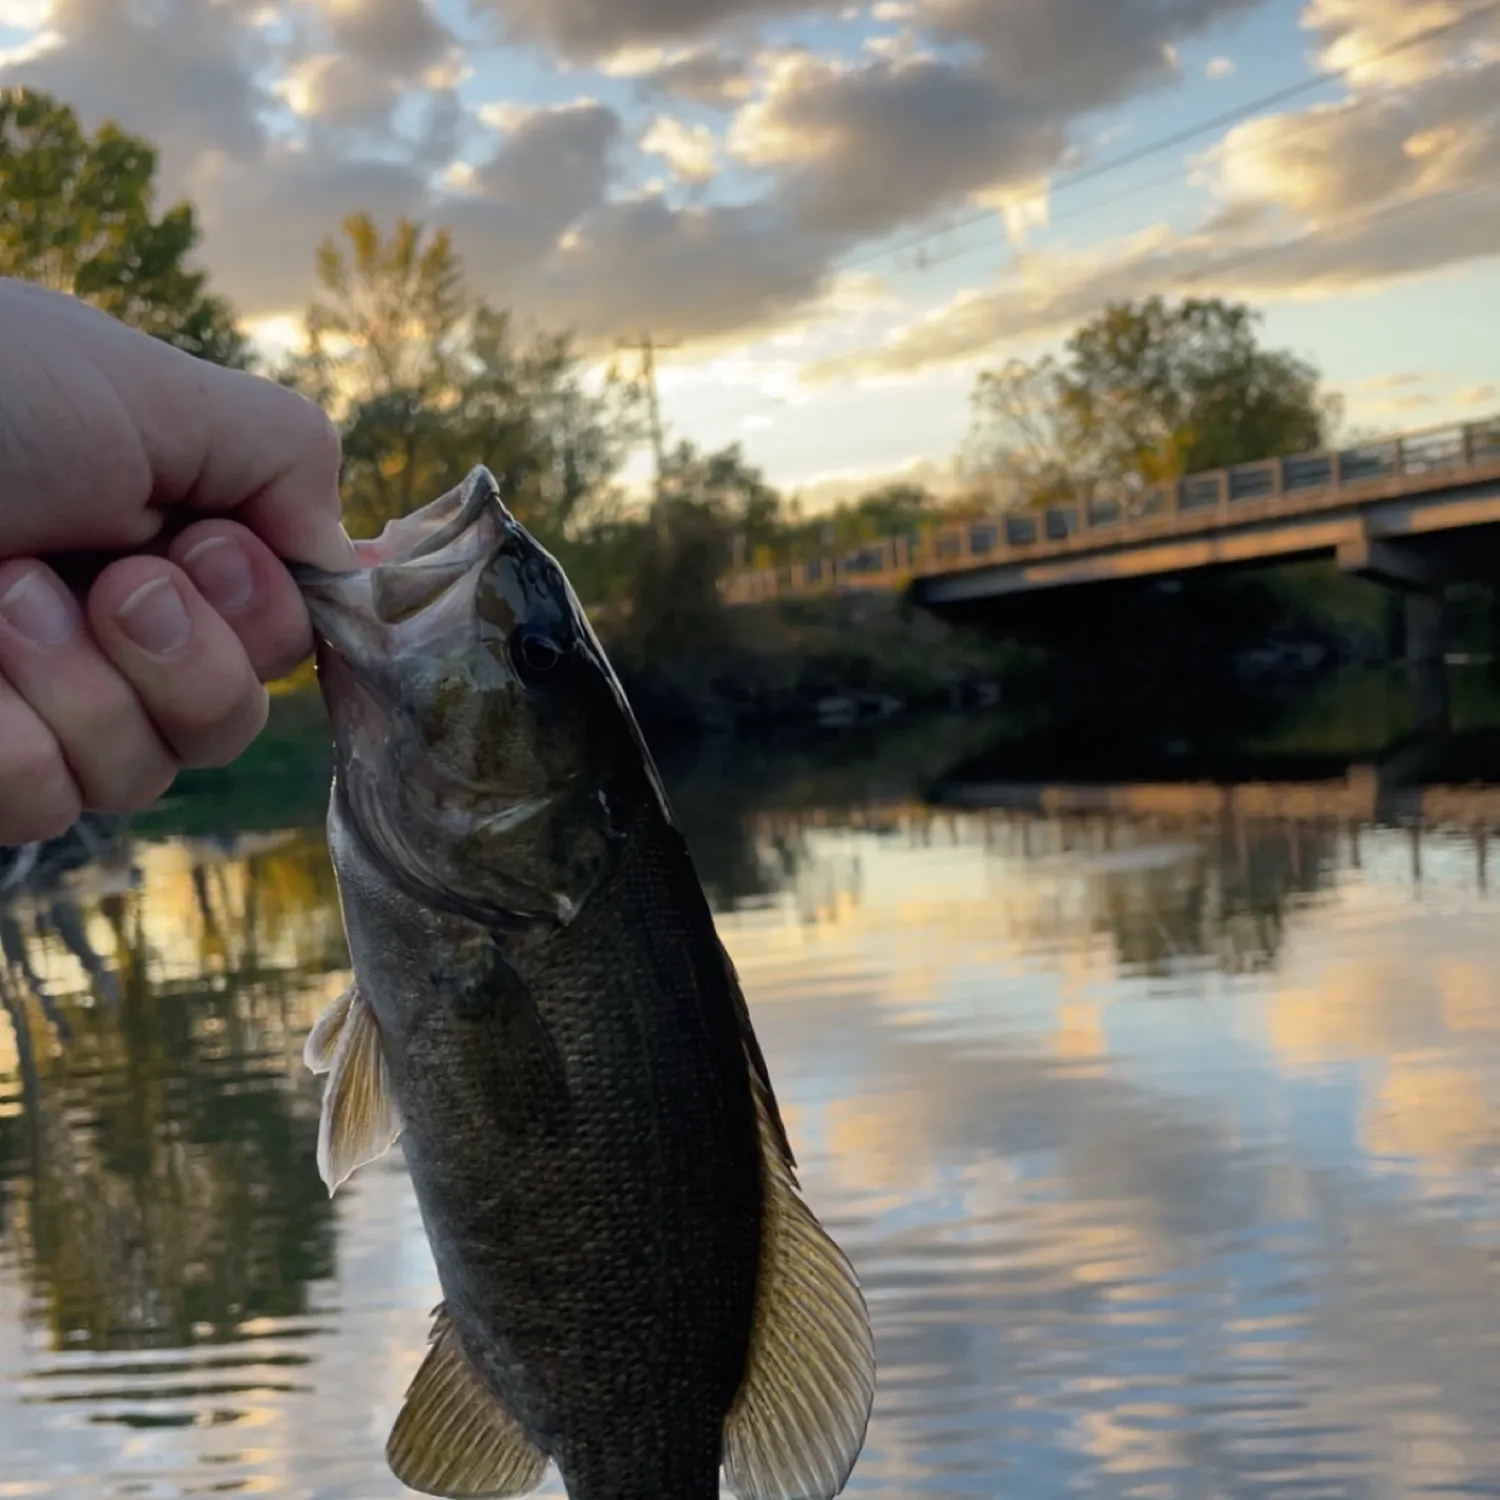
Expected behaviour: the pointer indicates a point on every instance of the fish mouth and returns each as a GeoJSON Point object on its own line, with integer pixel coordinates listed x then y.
{"type": "Point", "coordinates": [364, 615]}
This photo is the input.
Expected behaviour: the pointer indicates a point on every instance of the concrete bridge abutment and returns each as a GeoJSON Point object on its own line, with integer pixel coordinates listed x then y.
{"type": "Point", "coordinates": [1421, 579]}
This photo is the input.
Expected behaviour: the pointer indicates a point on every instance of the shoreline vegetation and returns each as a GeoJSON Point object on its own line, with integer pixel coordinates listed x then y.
{"type": "Point", "coordinates": [1352, 716]}
{"type": "Point", "coordinates": [426, 378]}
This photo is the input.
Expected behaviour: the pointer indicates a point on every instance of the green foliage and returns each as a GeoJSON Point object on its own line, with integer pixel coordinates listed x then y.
{"type": "Point", "coordinates": [76, 216]}
{"type": "Point", "coordinates": [890, 510]}
{"type": "Point", "coordinates": [1145, 393]}
{"type": "Point", "coordinates": [668, 564]}
{"type": "Point", "coordinates": [430, 380]}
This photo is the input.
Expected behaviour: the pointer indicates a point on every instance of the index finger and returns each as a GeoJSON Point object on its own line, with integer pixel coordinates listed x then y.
{"type": "Point", "coordinates": [217, 441]}
{"type": "Point", "coordinates": [270, 458]}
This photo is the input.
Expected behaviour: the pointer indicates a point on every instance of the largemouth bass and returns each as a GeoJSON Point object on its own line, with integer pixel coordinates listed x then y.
{"type": "Point", "coordinates": [542, 1013]}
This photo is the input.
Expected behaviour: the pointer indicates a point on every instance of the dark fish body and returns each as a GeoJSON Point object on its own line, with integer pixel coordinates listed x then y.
{"type": "Point", "coordinates": [543, 1012]}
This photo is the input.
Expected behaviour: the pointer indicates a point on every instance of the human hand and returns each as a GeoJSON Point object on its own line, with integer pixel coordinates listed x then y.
{"type": "Point", "coordinates": [108, 440]}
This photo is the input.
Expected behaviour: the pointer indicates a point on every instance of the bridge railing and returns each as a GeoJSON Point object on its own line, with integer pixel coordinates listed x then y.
{"type": "Point", "coordinates": [1205, 499]}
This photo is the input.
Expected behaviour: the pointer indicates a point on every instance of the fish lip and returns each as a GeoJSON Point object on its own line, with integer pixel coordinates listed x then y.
{"type": "Point", "coordinates": [339, 602]}
{"type": "Point", "coordinates": [483, 493]}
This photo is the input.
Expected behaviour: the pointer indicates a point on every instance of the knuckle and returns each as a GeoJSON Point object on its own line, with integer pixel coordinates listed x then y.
{"type": "Point", "coordinates": [319, 447]}
{"type": "Point", "coordinates": [97, 719]}
{"type": "Point", "coordinates": [230, 732]}
{"type": "Point", "coordinates": [195, 705]}
{"type": "Point", "coordinates": [29, 759]}
{"type": "Point", "coordinates": [38, 799]}
{"type": "Point", "coordinates": [133, 787]}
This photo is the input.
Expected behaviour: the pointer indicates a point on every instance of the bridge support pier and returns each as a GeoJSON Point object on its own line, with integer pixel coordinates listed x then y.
{"type": "Point", "coordinates": [1426, 648]}
{"type": "Point", "coordinates": [1418, 580]}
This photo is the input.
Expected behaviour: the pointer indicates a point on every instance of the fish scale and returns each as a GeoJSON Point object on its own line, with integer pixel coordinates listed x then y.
{"type": "Point", "coordinates": [543, 1014]}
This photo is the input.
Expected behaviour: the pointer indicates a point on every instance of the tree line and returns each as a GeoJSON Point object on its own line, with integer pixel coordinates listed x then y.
{"type": "Point", "coordinates": [426, 377]}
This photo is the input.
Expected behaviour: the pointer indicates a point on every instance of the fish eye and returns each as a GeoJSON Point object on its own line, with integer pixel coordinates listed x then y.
{"type": "Point", "coordinates": [535, 654]}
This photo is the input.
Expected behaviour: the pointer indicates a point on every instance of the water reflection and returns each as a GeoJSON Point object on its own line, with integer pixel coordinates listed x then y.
{"type": "Point", "coordinates": [1162, 1121]}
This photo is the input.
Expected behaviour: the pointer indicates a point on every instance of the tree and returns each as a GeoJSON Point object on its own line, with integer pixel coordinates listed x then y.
{"type": "Point", "coordinates": [391, 320]}
{"type": "Point", "coordinates": [76, 215]}
{"type": "Point", "coordinates": [726, 484]}
{"type": "Point", "coordinates": [894, 508]}
{"type": "Point", "coordinates": [429, 380]}
{"type": "Point", "coordinates": [1145, 393]}
{"type": "Point", "coordinates": [1022, 436]}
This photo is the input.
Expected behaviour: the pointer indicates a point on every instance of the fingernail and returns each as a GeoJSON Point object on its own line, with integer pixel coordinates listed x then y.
{"type": "Point", "coordinates": [155, 618]}
{"type": "Point", "coordinates": [222, 573]}
{"type": "Point", "coordinates": [335, 552]}
{"type": "Point", "coordinates": [35, 607]}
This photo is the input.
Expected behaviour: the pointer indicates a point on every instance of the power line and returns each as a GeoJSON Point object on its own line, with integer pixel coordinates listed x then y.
{"type": "Point", "coordinates": [1135, 190]}
{"type": "Point", "coordinates": [1271, 249]}
{"type": "Point", "coordinates": [1155, 147]}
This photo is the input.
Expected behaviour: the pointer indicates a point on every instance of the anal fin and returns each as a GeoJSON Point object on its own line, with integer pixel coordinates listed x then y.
{"type": "Point", "coordinates": [359, 1121]}
{"type": "Point", "coordinates": [452, 1437]}
{"type": "Point", "coordinates": [799, 1420]}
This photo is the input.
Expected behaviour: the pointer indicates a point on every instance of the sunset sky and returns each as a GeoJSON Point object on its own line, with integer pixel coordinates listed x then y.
{"type": "Point", "coordinates": [844, 211]}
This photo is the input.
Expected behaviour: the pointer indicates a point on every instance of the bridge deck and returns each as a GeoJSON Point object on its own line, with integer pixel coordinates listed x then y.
{"type": "Point", "coordinates": [1286, 506]}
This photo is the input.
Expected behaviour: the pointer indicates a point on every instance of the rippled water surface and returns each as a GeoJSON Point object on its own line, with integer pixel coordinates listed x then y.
{"type": "Point", "coordinates": [1165, 1142]}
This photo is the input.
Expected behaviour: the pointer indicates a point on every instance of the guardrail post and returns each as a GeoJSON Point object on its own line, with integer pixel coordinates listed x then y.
{"type": "Point", "coordinates": [1222, 480]}
{"type": "Point", "coordinates": [1336, 468]}
{"type": "Point", "coordinates": [1466, 444]}
{"type": "Point", "coordinates": [1175, 497]}
{"type": "Point", "coordinates": [1278, 478]}
{"type": "Point", "coordinates": [1400, 456]}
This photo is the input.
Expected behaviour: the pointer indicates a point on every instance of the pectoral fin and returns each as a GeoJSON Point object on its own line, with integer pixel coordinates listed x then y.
{"type": "Point", "coordinates": [799, 1420]}
{"type": "Point", "coordinates": [323, 1040]}
{"type": "Point", "coordinates": [510, 1039]}
{"type": "Point", "coordinates": [359, 1120]}
{"type": "Point", "coordinates": [453, 1438]}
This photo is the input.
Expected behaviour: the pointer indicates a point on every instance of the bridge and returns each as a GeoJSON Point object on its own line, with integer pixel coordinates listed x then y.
{"type": "Point", "coordinates": [1413, 512]}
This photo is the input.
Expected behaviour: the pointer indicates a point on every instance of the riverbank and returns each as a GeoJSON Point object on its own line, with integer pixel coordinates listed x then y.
{"type": "Point", "coordinates": [836, 661]}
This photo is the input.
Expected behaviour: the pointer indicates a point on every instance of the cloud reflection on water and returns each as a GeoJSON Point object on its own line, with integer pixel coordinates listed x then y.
{"type": "Point", "coordinates": [1167, 1158]}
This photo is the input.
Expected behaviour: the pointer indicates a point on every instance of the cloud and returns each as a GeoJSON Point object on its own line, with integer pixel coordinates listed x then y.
{"type": "Point", "coordinates": [1375, 40]}
{"type": "Point", "coordinates": [1331, 200]}
{"type": "Point", "coordinates": [1482, 394]}
{"type": "Point", "coordinates": [590, 30]}
{"type": "Point", "coordinates": [396, 37]}
{"type": "Point", "coordinates": [1219, 67]}
{"type": "Point", "coordinates": [24, 15]}
{"type": "Point", "coordinates": [691, 150]}
{"type": "Point", "coordinates": [266, 218]}
{"type": "Point", "coordinates": [702, 75]}
{"type": "Point", "coordinates": [1079, 54]}
{"type": "Point", "coordinates": [279, 130]}
{"type": "Point", "coordinates": [861, 149]}
{"type": "Point", "coordinates": [182, 73]}
{"type": "Point", "coordinates": [356, 60]}
{"type": "Point", "coordinates": [1047, 293]}
{"type": "Point", "coordinates": [1393, 380]}
{"type": "Point", "coordinates": [337, 89]}
{"type": "Point", "coordinates": [824, 491]}
{"type": "Point", "coordinates": [700, 272]}
{"type": "Point", "coordinates": [552, 165]}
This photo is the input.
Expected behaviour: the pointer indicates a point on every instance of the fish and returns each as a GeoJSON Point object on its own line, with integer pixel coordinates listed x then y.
{"type": "Point", "coordinates": [543, 1015]}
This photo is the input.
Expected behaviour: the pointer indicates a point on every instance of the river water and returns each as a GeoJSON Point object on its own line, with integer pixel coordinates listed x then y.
{"type": "Point", "coordinates": [1164, 1136]}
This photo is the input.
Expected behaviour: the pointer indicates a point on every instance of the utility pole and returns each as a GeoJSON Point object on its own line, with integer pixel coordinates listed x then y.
{"type": "Point", "coordinates": [647, 348]}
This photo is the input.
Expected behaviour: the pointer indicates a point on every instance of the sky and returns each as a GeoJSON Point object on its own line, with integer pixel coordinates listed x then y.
{"type": "Point", "coordinates": [838, 215]}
